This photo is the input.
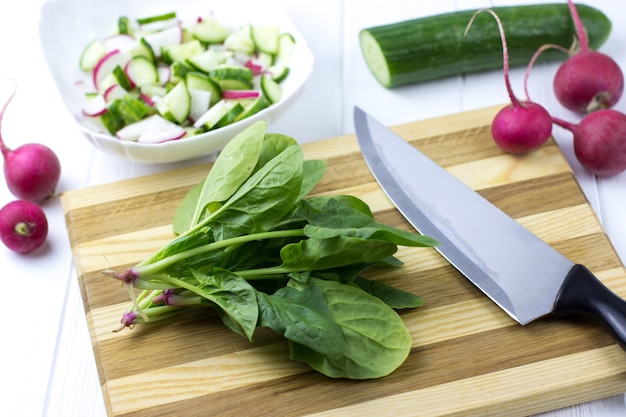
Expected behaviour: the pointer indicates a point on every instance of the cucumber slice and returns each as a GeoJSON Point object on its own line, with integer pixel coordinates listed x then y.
{"type": "Point", "coordinates": [179, 71]}
{"type": "Point", "coordinates": [232, 77]}
{"type": "Point", "coordinates": [286, 47]}
{"type": "Point", "coordinates": [252, 107]}
{"type": "Point", "coordinates": [156, 18]}
{"type": "Point", "coordinates": [122, 78]}
{"type": "Point", "coordinates": [234, 84]}
{"type": "Point", "coordinates": [153, 91]}
{"type": "Point", "coordinates": [240, 41]}
{"type": "Point", "coordinates": [124, 26]}
{"type": "Point", "coordinates": [210, 116]}
{"type": "Point", "coordinates": [131, 109]}
{"type": "Point", "coordinates": [141, 48]}
{"type": "Point", "coordinates": [92, 54]}
{"type": "Point", "coordinates": [278, 72]}
{"type": "Point", "coordinates": [234, 109]}
{"type": "Point", "coordinates": [228, 72]}
{"type": "Point", "coordinates": [124, 111]}
{"type": "Point", "coordinates": [208, 60]}
{"type": "Point", "coordinates": [199, 81]}
{"type": "Point", "coordinates": [183, 51]}
{"type": "Point", "coordinates": [265, 38]}
{"type": "Point", "coordinates": [141, 71]}
{"type": "Point", "coordinates": [223, 113]}
{"type": "Point", "coordinates": [176, 104]}
{"type": "Point", "coordinates": [271, 90]}
{"type": "Point", "coordinates": [265, 59]}
{"type": "Point", "coordinates": [209, 30]}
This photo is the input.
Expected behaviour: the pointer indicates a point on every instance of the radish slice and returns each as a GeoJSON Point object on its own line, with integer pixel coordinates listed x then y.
{"type": "Point", "coordinates": [154, 129]}
{"type": "Point", "coordinates": [113, 92]}
{"type": "Point", "coordinates": [256, 67]}
{"type": "Point", "coordinates": [107, 63]}
{"type": "Point", "coordinates": [200, 100]}
{"type": "Point", "coordinates": [95, 107]}
{"type": "Point", "coordinates": [122, 42]}
{"type": "Point", "coordinates": [164, 73]}
{"type": "Point", "coordinates": [169, 36]}
{"type": "Point", "coordinates": [239, 94]}
{"type": "Point", "coordinates": [147, 99]}
{"type": "Point", "coordinates": [161, 130]}
{"type": "Point", "coordinates": [83, 86]}
{"type": "Point", "coordinates": [133, 131]}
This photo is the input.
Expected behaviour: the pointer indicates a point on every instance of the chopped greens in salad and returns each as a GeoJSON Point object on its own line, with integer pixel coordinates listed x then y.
{"type": "Point", "coordinates": [159, 79]}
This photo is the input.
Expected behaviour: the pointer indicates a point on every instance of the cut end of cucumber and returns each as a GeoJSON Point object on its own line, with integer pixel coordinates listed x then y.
{"type": "Point", "coordinates": [375, 58]}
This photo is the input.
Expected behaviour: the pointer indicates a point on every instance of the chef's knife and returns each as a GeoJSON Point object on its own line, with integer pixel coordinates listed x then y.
{"type": "Point", "coordinates": [522, 274]}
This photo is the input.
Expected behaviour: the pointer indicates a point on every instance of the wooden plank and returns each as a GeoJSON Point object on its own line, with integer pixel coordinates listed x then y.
{"type": "Point", "coordinates": [468, 357]}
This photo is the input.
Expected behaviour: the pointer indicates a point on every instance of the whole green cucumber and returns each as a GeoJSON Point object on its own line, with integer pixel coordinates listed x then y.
{"type": "Point", "coordinates": [433, 47]}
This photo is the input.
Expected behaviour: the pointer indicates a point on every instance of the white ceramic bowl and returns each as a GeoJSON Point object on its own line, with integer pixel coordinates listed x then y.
{"type": "Point", "coordinates": [66, 26]}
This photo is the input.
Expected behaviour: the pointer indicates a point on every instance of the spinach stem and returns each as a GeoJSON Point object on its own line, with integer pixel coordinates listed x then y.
{"type": "Point", "coordinates": [143, 271]}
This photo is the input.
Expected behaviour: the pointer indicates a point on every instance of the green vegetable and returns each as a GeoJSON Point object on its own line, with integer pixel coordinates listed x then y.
{"type": "Point", "coordinates": [433, 47]}
{"type": "Point", "coordinates": [253, 245]}
{"type": "Point", "coordinates": [157, 18]}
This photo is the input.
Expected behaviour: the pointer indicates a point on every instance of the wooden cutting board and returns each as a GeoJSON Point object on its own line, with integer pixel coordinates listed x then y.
{"type": "Point", "coordinates": [468, 357]}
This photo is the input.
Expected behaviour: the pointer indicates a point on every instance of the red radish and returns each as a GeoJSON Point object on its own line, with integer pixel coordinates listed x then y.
{"type": "Point", "coordinates": [256, 67]}
{"type": "Point", "coordinates": [600, 141]}
{"type": "Point", "coordinates": [200, 102]}
{"type": "Point", "coordinates": [96, 106]}
{"type": "Point", "coordinates": [521, 126]}
{"type": "Point", "coordinates": [23, 226]}
{"type": "Point", "coordinates": [147, 99]}
{"type": "Point", "coordinates": [154, 129]}
{"type": "Point", "coordinates": [32, 171]}
{"type": "Point", "coordinates": [107, 64]}
{"type": "Point", "coordinates": [170, 36]}
{"type": "Point", "coordinates": [121, 41]}
{"type": "Point", "coordinates": [161, 130]}
{"type": "Point", "coordinates": [240, 94]}
{"type": "Point", "coordinates": [534, 58]}
{"type": "Point", "coordinates": [165, 74]}
{"type": "Point", "coordinates": [131, 132]}
{"type": "Point", "coordinates": [113, 92]}
{"type": "Point", "coordinates": [588, 80]}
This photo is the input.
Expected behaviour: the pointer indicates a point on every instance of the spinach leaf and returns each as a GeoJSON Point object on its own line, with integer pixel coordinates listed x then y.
{"type": "Point", "coordinates": [265, 198]}
{"type": "Point", "coordinates": [334, 218]}
{"type": "Point", "coordinates": [273, 145]}
{"type": "Point", "coordinates": [321, 202]}
{"type": "Point", "coordinates": [234, 165]}
{"type": "Point", "coordinates": [390, 295]}
{"type": "Point", "coordinates": [304, 317]}
{"type": "Point", "coordinates": [376, 341]}
{"type": "Point", "coordinates": [183, 217]}
{"type": "Point", "coordinates": [314, 254]}
{"type": "Point", "coordinates": [313, 171]}
{"type": "Point", "coordinates": [234, 298]}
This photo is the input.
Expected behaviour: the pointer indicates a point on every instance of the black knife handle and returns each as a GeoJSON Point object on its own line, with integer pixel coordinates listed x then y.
{"type": "Point", "coordinates": [583, 293]}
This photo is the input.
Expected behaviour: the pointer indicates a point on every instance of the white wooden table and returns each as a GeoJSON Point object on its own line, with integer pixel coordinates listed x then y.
{"type": "Point", "coordinates": [47, 366]}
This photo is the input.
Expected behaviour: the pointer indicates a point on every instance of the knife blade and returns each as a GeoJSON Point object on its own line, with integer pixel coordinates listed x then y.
{"type": "Point", "coordinates": [522, 274]}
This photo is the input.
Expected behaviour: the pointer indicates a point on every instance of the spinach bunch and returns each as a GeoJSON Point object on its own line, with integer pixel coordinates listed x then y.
{"type": "Point", "coordinates": [251, 244]}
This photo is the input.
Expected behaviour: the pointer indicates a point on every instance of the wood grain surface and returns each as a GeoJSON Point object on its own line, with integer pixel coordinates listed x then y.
{"type": "Point", "coordinates": [468, 357]}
